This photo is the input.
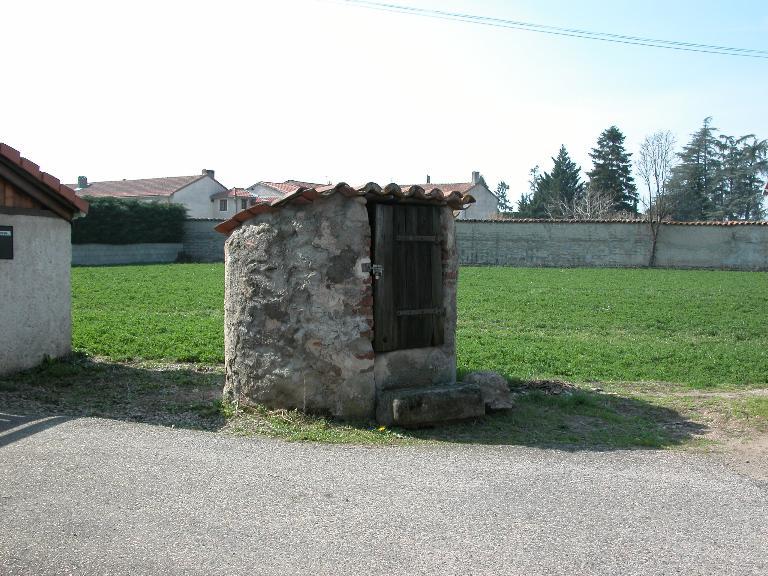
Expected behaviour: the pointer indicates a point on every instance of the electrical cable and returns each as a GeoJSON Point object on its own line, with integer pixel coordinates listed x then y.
{"type": "Point", "coordinates": [558, 31]}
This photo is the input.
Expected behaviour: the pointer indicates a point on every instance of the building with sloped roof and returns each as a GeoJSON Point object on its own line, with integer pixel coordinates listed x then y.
{"type": "Point", "coordinates": [194, 192]}
{"type": "Point", "coordinates": [36, 212]}
{"type": "Point", "coordinates": [227, 203]}
{"type": "Point", "coordinates": [341, 300]}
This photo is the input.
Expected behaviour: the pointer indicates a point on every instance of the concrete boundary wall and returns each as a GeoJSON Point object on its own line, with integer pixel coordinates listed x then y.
{"type": "Point", "coordinates": [110, 254]}
{"type": "Point", "coordinates": [201, 242]}
{"type": "Point", "coordinates": [522, 244]}
{"type": "Point", "coordinates": [611, 244]}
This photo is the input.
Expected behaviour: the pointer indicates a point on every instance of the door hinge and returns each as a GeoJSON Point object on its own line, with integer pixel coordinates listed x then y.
{"type": "Point", "coordinates": [377, 270]}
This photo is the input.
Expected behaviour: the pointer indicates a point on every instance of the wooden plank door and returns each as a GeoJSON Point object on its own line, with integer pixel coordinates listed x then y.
{"type": "Point", "coordinates": [408, 294]}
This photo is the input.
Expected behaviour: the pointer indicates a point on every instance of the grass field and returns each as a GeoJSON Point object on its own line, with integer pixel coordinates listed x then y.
{"type": "Point", "coordinates": [701, 328]}
{"type": "Point", "coordinates": [697, 328]}
{"type": "Point", "coordinates": [659, 359]}
{"type": "Point", "coordinates": [172, 312]}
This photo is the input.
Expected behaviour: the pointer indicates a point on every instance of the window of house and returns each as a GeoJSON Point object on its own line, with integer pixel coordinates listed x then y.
{"type": "Point", "coordinates": [243, 204]}
{"type": "Point", "coordinates": [223, 205]}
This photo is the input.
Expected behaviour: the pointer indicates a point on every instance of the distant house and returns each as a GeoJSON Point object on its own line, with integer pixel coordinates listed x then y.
{"type": "Point", "coordinates": [194, 192]}
{"type": "Point", "coordinates": [35, 254]}
{"type": "Point", "coordinates": [486, 205]}
{"type": "Point", "coordinates": [227, 203]}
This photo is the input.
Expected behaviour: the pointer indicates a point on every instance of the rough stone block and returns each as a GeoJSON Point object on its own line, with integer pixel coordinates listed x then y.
{"type": "Point", "coordinates": [494, 388]}
{"type": "Point", "coordinates": [420, 407]}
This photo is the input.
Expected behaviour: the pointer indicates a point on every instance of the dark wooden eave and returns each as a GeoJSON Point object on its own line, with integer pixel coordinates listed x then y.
{"type": "Point", "coordinates": [26, 178]}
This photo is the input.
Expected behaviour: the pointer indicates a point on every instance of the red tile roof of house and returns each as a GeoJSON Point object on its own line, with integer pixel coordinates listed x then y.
{"type": "Point", "coordinates": [50, 183]}
{"type": "Point", "coordinates": [431, 194]}
{"type": "Point", "coordinates": [287, 187]}
{"type": "Point", "coordinates": [137, 188]}
{"type": "Point", "coordinates": [233, 193]}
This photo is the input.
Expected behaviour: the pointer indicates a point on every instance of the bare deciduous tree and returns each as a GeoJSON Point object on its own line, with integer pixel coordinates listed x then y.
{"type": "Point", "coordinates": [654, 164]}
{"type": "Point", "coordinates": [590, 205]}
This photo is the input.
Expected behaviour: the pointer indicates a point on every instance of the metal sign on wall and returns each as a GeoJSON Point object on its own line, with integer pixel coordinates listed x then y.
{"type": "Point", "coordinates": [6, 242]}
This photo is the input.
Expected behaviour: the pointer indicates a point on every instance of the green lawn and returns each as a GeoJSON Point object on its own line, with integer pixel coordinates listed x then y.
{"type": "Point", "coordinates": [700, 328]}
{"type": "Point", "coordinates": [697, 328]}
{"type": "Point", "coordinates": [171, 312]}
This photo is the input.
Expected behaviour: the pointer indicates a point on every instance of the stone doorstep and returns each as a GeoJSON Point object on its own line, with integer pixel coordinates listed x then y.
{"type": "Point", "coordinates": [420, 407]}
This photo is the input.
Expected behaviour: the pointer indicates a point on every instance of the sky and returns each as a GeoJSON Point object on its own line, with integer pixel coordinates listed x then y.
{"type": "Point", "coordinates": [321, 90]}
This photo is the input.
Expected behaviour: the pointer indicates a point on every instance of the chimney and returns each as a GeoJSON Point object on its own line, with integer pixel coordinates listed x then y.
{"type": "Point", "coordinates": [429, 180]}
{"type": "Point", "coordinates": [208, 172]}
{"type": "Point", "coordinates": [82, 182]}
{"type": "Point", "coordinates": [475, 177]}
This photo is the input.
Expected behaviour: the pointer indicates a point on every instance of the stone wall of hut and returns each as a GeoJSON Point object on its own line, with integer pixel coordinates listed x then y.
{"type": "Point", "coordinates": [298, 309]}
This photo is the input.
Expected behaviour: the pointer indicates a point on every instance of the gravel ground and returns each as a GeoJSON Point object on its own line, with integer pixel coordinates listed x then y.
{"type": "Point", "coordinates": [92, 496]}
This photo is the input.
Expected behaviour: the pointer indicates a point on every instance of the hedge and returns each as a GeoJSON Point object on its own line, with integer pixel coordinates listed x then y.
{"type": "Point", "coordinates": [118, 221]}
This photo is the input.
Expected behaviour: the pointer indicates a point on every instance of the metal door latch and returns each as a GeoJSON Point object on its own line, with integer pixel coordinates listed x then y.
{"type": "Point", "coordinates": [377, 270]}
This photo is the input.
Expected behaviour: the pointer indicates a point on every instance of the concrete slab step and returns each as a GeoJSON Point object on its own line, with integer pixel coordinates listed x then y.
{"type": "Point", "coordinates": [421, 407]}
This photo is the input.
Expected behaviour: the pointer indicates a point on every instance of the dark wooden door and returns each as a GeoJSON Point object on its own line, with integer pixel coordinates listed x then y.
{"type": "Point", "coordinates": [408, 284]}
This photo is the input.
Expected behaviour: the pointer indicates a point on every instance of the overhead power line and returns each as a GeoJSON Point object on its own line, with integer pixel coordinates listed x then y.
{"type": "Point", "coordinates": [558, 31]}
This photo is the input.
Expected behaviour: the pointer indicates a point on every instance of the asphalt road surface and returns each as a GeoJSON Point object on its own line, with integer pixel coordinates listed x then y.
{"type": "Point", "coordinates": [91, 496]}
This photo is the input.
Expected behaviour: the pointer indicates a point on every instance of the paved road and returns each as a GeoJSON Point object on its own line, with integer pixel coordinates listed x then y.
{"type": "Point", "coordinates": [91, 496]}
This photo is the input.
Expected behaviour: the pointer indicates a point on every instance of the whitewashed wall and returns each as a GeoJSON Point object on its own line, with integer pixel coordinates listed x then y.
{"type": "Point", "coordinates": [35, 314]}
{"type": "Point", "coordinates": [486, 206]}
{"type": "Point", "coordinates": [197, 198]}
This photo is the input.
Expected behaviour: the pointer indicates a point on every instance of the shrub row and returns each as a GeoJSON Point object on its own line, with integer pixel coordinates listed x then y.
{"type": "Point", "coordinates": [118, 221]}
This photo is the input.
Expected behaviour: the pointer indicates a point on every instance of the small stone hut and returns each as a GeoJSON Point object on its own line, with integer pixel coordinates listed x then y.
{"type": "Point", "coordinates": [36, 212]}
{"type": "Point", "coordinates": [341, 300]}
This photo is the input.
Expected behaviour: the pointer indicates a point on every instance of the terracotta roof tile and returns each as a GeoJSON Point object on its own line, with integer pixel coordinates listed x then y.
{"type": "Point", "coordinates": [32, 168]}
{"type": "Point", "coordinates": [51, 183]}
{"type": "Point", "coordinates": [233, 193]}
{"type": "Point", "coordinates": [287, 187]}
{"type": "Point", "coordinates": [10, 153]}
{"type": "Point", "coordinates": [300, 195]}
{"type": "Point", "coordinates": [137, 188]}
{"type": "Point", "coordinates": [462, 187]}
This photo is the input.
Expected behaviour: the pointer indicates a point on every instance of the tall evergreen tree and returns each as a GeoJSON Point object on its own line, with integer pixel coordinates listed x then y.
{"type": "Point", "coordinates": [612, 172]}
{"type": "Point", "coordinates": [738, 194]}
{"type": "Point", "coordinates": [693, 188]}
{"type": "Point", "coordinates": [561, 186]}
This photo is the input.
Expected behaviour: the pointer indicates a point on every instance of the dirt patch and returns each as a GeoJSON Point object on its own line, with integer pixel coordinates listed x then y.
{"type": "Point", "coordinates": [747, 456]}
